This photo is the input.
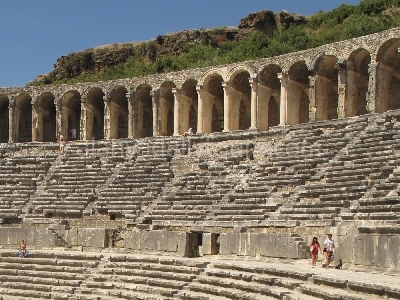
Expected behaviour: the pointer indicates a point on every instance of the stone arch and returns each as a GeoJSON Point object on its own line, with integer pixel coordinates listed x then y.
{"type": "Point", "coordinates": [213, 104]}
{"type": "Point", "coordinates": [239, 93]}
{"type": "Point", "coordinates": [388, 75]}
{"type": "Point", "coordinates": [95, 114]}
{"type": "Point", "coordinates": [298, 102]}
{"type": "Point", "coordinates": [118, 112]}
{"type": "Point", "coordinates": [269, 87]}
{"type": "Point", "coordinates": [70, 113]}
{"type": "Point", "coordinates": [46, 118]}
{"type": "Point", "coordinates": [213, 72]}
{"type": "Point", "coordinates": [167, 101]}
{"type": "Point", "coordinates": [326, 88]}
{"type": "Point", "coordinates": [23, 118]}
{"type": "Point", "coordinates": [189, 105]}
{"type": "Point", "coordinates": [239, 68]}
{"type": "Point", "coordinates": [144, 111]}
{"type": "Point", "coordinates": [357, 83]}
{"type": "Point", "coordinates": [312, 61]}
{"type": "Point", "coordinates": [4, 119]}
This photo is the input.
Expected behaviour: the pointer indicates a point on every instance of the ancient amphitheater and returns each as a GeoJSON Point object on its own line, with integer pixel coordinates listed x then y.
{"type": "Point", "coordinates": [286, 148]}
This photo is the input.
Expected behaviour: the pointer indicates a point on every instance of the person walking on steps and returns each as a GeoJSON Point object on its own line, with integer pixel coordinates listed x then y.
{"type": "Point", "coordinates": [315, 248]}
{"type": "Point", "coordinates": [330, 249]}
{"type": "Point", "coordinates": [62, 145]}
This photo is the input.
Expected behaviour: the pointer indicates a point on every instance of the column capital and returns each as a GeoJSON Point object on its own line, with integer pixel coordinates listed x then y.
{"type": "Point", "coordinates": [83, 99]}
{"type": "Point", "coordinates": [253, 80]}
{"type": "Point", "coordinates": [176, 91]}
{"type": "Point", "coordinates": [312, 80]}
{"type": "Point", "coordinates": [225, 84]}
{"type": "Point", "coordinates": [341, 65]}
{"type": "Point", "coordinates": [34, 101]}
{"type": "Point", "coordinates": [199, 87]}
{"type": "Point", "coordinates": [106, 98]}
{"type": "Point", "coordinates": [12, 103]}
{"type": "Point", "coordinates": [154, 93]}
{"type": "Point", "coordinates": [373, 67]}
{"type": "Point", "coordinates": [283, 76]}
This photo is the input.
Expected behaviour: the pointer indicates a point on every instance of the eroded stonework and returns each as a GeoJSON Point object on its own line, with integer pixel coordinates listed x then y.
{"type": "Point", "coordinates": [337, 80]}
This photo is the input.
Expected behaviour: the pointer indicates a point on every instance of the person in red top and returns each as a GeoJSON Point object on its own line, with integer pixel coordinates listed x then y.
{"type": "Point", "coordinates": [314, 249]}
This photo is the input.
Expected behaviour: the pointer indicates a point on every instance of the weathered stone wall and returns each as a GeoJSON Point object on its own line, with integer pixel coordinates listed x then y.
{"type": "Point", "coordinates": [262, 245]}
{"type": "Point", "coordinates": [158, 241]}
{"type": "Point", "coordinates": [342, 50]}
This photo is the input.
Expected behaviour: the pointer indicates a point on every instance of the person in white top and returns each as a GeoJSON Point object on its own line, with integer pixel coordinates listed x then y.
{"type": "Point", "coordinates": [330, 249]}
{"type": "Point", "coordinates": [189, 132]}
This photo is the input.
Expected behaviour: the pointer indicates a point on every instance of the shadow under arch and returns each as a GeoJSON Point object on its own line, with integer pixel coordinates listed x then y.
{"type": "Point", "coordinates": [70, 114]}
{"type": "Point", "coordinates": [269, 89]}
{"type": "Point", "coordinates": [118, 113]}
{"type": "Point", "coordinates": [95, 114]}
{"type": "Point", "coordinates": [143, 107]}
{"type": "Point", "coordinates": [4, 119]}
{"type": "Point", "coordinates": [189, 106]}
{"type": "Point", "coordinates": [46, 118]}
{"type": "Point", "coordinates": [23, 118]}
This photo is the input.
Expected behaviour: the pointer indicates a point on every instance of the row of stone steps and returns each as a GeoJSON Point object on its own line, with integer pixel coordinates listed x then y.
{"type": "Point", "coordinates": [73, 276]}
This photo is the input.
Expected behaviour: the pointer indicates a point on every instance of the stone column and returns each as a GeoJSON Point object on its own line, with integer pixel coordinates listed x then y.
{"type": "Point", "coordinates": [312, 98]}
{"type": "Point", "coordinates": [293, 95]}
{"type": "Point", "coordinates": [254, 103]}
{"type": "Point", "coordinates": [155, 96]}
{"type": "Point", "coordinates": [227, 106]}
{"type": "Point", "coordinates": [200, 104]}
{"type": "Point", "coordinates": [132, 114]}
{"type": "Point", "coordinates": [107, 116]}
{"type": "Point", "coordinates": [35, 121]}
{"type": "Point", "coordinates": [264, 94]}
{"type": "Point", "coordinates": [11, 119]}
{"type": "Point", "coordinates": [347, 103]}
{"type": "Point", "coordinates": [284, 78]}
{"type": "Point", "coordinates": [59, 117]}
{"type": "Point", "coordinates": [318, 95]}
{"type": "Point", "coordinates": [378, 86]}
{"type": "Point", "coordinates": [83, 135]}
{"type": "Point", "coordinates": [341, 66]}
{"type": "Point", "coordinates": [177, 111]}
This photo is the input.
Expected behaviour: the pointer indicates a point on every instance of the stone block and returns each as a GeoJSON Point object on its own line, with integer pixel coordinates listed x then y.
{"type": "Point", "coordinates": [393, 251]}
{"type": "Point", "coordinates": [92, 237]}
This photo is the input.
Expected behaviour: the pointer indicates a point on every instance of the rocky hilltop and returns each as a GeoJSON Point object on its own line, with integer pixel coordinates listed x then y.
{"type": "Point", "coordinates": [103, 57]}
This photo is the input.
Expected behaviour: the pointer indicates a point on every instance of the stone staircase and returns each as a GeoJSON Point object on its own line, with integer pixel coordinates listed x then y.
{"type": "Point", "coordinates": [44, 275]}
{"type": "Point", "coordinates": [21, 171]}
{"type": "Point", "coordinates": [69, 275]}
{"type": "Point", "coordinates": [140, 181]}
{"type": "Point", "coordinates": [74, 179]}
{"type": "Point", "coordinates": [199, 199]}
{"type": "Point", "coordinates": [85, 276]}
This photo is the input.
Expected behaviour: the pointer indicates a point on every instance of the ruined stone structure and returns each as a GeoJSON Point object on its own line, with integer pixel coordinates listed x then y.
{"type": "Point", "coordinates": [338, 80]}
{"type": "Point", "coordinates": [286, 148]}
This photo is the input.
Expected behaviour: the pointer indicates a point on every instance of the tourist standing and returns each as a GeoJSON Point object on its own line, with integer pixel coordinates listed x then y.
{"type": "Point", "coordinates": [330, 248]}
{"type": "Point", "coordinates": [62, 145]}
{"type": "Point", "coordinates": [315, 248]}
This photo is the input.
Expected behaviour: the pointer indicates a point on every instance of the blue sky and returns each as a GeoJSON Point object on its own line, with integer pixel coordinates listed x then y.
{"type": "Point", "coordinates": [35, 33]}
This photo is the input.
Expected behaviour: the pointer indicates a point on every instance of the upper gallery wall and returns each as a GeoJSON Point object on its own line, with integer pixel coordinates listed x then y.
{"type": "Point", "coordinates": [337, 80]}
